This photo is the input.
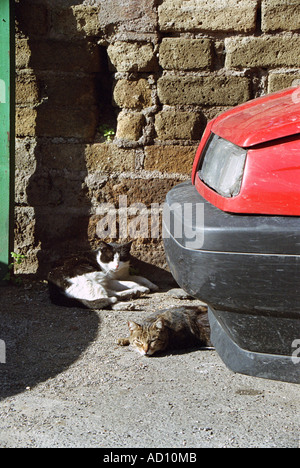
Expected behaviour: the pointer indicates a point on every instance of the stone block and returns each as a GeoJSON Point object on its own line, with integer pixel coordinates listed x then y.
{"type": "Point", "coordinates": [68, 89]}
{"type": "Point", "coordinates": [21, 183]}
{"type": "Point", "coordinates": [75, 22]}
{"type": "Point", "coordinates": [67, 56]}
{"type": "Point", "coordinates": [23, 53]}
{"type": "Point", "coordinates": [185, 54]}
{"type": "Point", "coordinates": [41, 178]}
{"type": "Point", "coordinates": [24, 226]}
{"type": "Point", "coordinates": [60, 225]}
{"type": "Point", "coordinates": [280, 15]}
{"type": "Point", "coordinates": [55, 121]}
{"type": "Point", "coordinates": [87, 18]}
{"type": "Point", "coordinates": [132, 57]}
{"type": "Point", "coordinates": [60, 155]}
{"type": "Point", "coordinates": [40, 190]}
{"type": "Point", "coordinates": [25, 121]}
{"type": "Point", "coordinates": [31, 19]}
{"type": "Point", "coordinates": [133, 94]}
{"type": "Point", "coordinates": [25, 157]}
{"type": "Point", "coordinates": [130, 126]}
{"type": "Point", "coordinates": [129, 15]}
{"type": "Point", "coordinates": [27, 88]}
{"type": "Point", "coordinates": [107, 158]}
{"type": "Point", "coordinates": [26, 166]}
{"type": "Point", "coordinates": [170, 159]}
{"type": "Point", "coordinates": [178, 125]}
{"type": "Point", "coordinates": [53, 188]}
{"type": "Point", "coordinates": [278, 81]}
{"type": "Point", "coordinates": [208, 15]}
{"type": "Point", "coordinates": [147, 191]}
{"type": "Point", "coordinates": [217, 90]}
{"type": "Point", "coordinates": [265, 51]}
{"type": "Point", "coordinates": [132, 196]}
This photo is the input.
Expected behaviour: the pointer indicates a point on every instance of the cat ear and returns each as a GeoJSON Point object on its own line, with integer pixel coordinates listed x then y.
{"type": "Point", "coordinates": [133, 326]}
{"type": "Point", "coordinates": [127, 246]}
{"type": "Point", "coordinates": [159, 324]}
{"type": "Point", "coordinates": [102, 245]}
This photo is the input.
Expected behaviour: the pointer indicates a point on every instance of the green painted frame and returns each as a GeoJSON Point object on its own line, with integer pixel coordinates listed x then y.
{"type": "Point", "coordinates": [7, 132]}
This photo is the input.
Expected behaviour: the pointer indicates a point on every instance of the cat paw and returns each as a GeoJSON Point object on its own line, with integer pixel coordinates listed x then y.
{"type": "Point", "coordinates": [143, 290]}
{"type": "Point", "coordinates": [123, 342]}
{"type": "Point", "coordinates": [140, 291]}
{"type": "Point", "coordinates": [133, 293]}
{"type": "Point", "coordinates": [113, 300]}
{"type": "Point", "coordinates": [124, 306]}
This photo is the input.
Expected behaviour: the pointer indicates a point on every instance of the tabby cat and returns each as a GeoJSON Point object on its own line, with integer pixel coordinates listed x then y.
{"type": "Point", "coordinates": [170, 329]}
{"type": "Point", "coordinates": [96, 279]}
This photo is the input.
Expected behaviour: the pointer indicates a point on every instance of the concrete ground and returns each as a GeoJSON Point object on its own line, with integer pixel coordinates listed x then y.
{"type": "Point", "coordinates": [66, 383]}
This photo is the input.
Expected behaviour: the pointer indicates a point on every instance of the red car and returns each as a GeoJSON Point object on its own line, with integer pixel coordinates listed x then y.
{"type": "Point", "coordinates": [232, 234]}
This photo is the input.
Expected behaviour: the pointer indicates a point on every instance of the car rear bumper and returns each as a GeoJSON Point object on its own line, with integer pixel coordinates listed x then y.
{"type": "Point", "coordinates": [246, 268]}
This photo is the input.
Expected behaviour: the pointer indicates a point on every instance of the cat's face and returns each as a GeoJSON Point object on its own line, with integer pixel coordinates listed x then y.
{"type": "Point", "coordinates": [113, 257]}
{"type": "Point", "coordinates": [148, 340]}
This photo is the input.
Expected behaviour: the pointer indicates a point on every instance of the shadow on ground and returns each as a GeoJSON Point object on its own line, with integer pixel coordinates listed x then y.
{"type": "Point", "coordinates": [41, 340]}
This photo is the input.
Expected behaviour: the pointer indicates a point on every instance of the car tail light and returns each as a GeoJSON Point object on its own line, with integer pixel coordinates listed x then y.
{"type": "Point", "coordinates": [222, 166]}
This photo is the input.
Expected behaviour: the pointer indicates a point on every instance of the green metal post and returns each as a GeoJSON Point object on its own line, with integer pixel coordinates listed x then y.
{"type": "Point", "coordinates": [7, 132]}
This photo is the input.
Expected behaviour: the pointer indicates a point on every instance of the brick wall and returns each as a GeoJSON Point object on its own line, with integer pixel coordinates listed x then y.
{"type": "Point", "coordinates": [155, 72]}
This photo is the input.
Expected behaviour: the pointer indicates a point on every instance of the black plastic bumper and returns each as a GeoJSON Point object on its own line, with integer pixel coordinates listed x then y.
{"type": "Point", "coordinates": [246, 268]}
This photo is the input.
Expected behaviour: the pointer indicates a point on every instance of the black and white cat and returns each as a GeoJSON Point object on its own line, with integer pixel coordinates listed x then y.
{"type": "Point", "coordinates": [97, 279]}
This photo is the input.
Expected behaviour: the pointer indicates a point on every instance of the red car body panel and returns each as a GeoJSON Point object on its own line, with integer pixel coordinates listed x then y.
{"type": "Point", "coordinates": [264, 119]}
{"type": "Point", "coordinates": [270, 128]}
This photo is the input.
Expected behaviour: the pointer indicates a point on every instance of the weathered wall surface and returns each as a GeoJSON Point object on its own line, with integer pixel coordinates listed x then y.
{"type": "Point", "coordinates": [154, 71]}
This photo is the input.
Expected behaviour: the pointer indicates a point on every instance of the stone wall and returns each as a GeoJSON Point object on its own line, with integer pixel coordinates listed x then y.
{"type": "Point", "coordinates": [154, 71]}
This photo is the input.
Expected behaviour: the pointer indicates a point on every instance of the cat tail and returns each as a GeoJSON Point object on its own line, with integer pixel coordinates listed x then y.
{"type": "Point", "coordinates": [103, 303]}
{"type": "Point", "coordinates": [58, 297]}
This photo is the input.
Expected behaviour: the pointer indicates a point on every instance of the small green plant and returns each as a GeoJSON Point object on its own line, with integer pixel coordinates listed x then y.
{"type": "Point", "coordinates": [17, 260]}
{"type": "Point", "coordinates": [107, 132]}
